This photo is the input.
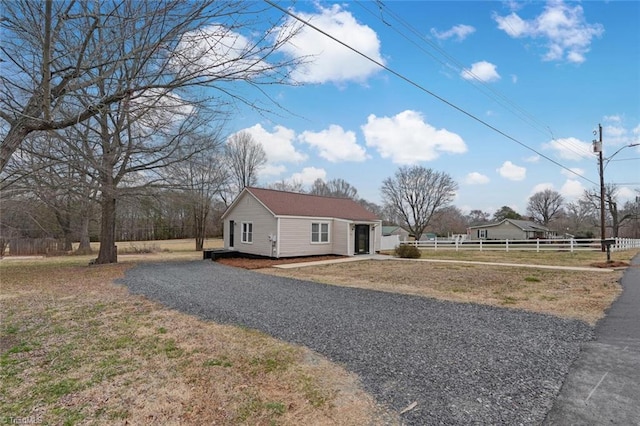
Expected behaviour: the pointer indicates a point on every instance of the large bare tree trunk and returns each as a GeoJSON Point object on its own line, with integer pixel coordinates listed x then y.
{"type": "Point", "coordinates": [85, 241]}
{"type": "Point", "coordinates": [108, 251]}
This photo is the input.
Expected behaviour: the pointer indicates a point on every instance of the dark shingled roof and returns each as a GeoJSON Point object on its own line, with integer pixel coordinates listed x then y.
{"type": "Point", "coordinates": [283, 203]}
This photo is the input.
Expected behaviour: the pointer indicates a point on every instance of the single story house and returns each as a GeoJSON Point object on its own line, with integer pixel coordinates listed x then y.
{"type": "Point", "coordinates": [402, 233]}
{"type": "Point", "coordinates": [276, 224]}
{"type": "Point", "coordinates": [510, 229]}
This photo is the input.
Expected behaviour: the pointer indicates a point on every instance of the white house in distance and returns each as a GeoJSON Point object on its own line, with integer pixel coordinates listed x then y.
{"type": "Point", "coordinates": [510, 229]}
{"type": "Point", "coordinates": [276, 224]}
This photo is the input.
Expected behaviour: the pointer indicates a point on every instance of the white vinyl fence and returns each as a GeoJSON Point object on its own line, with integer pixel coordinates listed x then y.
{"type": "Point", "coordinates": [537, 245]}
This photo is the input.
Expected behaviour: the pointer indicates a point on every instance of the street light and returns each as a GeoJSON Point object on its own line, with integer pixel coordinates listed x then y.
{"type": "Point", "coordinates": [597, 147]}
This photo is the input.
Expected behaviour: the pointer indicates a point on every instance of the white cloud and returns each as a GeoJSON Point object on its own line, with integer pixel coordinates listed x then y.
{"type": "Point", "coordinates": [308, 175]}
{"type": "Point", "coordinates": [566, 33]}
{"type": "Point", "coordinates": [335, 144]}
{"type": "Point", "coordinates": [572, 189]}
{"type": "Point", "coordinates": [475, 178]}
{"type": "Point", "coordinates": [570, 148]}
{"type": "Point", "coordinates": [613, 118]}
{"type": "Point", "coordinates": [217, 50]}
{"type": "Point", "coordinates": [541, 187]}
{"type": "Point", "coordinates": [616, 133]}
{"type": "Point", "coordinates": [329, 61]}
{"type": "Point", "coordinates": [514, 78]}
{"type": "Point", "coordinates": [532, 159]}
{"type": "Point", "coordinates": [510, 171]}
{"type": "Point", "coordinates": [277, 144]}
{"type": "Point", "coordinates": [626, 194]}
{"type": "Point", "coordinates": [407, 139]}
{"type": "Point", "coordinates": [483, 70]}
{"type": "Point", "coordinates": [459, 32]}
{"type": "Point", "coordinates": [269, 170]}
{"type": "Point", "coordinates": [513, 25]}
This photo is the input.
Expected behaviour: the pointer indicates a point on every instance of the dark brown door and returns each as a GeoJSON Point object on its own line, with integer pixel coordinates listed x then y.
{"type": "Point", "coordinates": [361, 245]}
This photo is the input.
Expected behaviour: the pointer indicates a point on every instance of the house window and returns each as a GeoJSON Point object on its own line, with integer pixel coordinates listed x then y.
{"type": "Point", "coordinates": [320, 232]}
{"type": "Point", "coordinates": [482, 233]}
{"type": "Point", "coordinates": [247, 232]}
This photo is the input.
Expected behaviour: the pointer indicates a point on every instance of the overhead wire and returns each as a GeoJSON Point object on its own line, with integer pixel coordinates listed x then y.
{"type": "Point", "coordinates": [423, 89]}
{"type": "Point", "coordinates": [479, 83]}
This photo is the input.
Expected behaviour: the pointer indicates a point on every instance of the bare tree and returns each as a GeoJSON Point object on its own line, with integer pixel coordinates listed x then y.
{"type": "Point", "coordinates": [415, 193]}
{"type": "Point", "coordinates": [201, 179]}
{"type": "Point", "coordinates": [372, 207]}
{"type": "Point", "coordinates": [126, 73]}
{"type": "Point", "coordinates": [288, 186]}
{"type": "Point", "coordinates": [66, 61]}
{"type": "Point", "coordinates": [245, 157]}
{"type": "Point", "coordinates": [632, 209]}
{"type": "Point", "coordinates": [52, 172]}
{"type": "Point", "coordinates": [614, 216]}
{"type": "Point", "coordinates": [448, 220]}
{"type": "Point", "coordinates": [478, 217]}
{"type": "Point", "coordinates": [581, 218]}
{"type": "Point", "coordinates": [545, 205]}
{"type": "Point", "coordinates": [334, 188]}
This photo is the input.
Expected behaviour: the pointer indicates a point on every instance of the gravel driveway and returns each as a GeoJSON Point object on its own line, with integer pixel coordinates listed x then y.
{"type": "Point", "coordinates": [461, 363]}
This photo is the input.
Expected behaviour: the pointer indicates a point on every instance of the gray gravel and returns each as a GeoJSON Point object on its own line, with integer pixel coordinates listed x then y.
{"type": "Point", "coordinates": [461, 363]}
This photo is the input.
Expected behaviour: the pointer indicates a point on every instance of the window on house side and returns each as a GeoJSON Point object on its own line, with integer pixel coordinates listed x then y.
{"type": "Point", "coordinates": [319, 232]}
{"type": "Point", "coordinates": [482, 233]}
{"type": "Point", "coordinates": [247, 232]}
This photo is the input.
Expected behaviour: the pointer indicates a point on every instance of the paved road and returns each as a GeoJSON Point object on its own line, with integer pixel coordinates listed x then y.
{"type": "Point", "coordinates": [603, 386]}
{"type": "Point", "coordinates": [461, 363]}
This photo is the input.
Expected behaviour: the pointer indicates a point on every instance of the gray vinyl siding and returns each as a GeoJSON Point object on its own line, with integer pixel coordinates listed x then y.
{"type": "Point", "coordinates": [248, 209]}
{"type": "Point", "coordinates": [377, 235]}
{"type": "Point", "coordinates": [342, 238]}
{"type": "Point", "coordinates": [504, 231]}
{"type": "Point", "coordinates": [295, 237]}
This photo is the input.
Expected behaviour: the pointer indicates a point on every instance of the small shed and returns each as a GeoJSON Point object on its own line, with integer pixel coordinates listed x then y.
{"type": "Point", "coordinates": [510, 229]}
{"type": "Point", "coordinates": [276, 224]}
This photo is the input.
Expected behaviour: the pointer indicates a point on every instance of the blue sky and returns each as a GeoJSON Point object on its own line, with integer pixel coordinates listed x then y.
{"type": "Point", "coordinates": [545, 74]}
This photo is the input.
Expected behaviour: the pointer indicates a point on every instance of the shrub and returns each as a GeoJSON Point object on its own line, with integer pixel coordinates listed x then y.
{"type": "Point", "coordinates": [407, 252]}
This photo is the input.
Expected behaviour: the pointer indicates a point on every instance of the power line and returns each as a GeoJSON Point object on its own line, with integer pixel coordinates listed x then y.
{"type": "Point", "coordinates": [475, 81]}
{"type": "Point", "coordinates": [422, 88]}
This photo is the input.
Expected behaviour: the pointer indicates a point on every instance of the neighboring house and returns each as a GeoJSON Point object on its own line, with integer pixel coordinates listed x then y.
{"type": "Point", "coordinates": [277, 224]}
{"type": "Point", "coordinates": [395, 230]}
{"type": "Point", "coordinates": [510, 229]}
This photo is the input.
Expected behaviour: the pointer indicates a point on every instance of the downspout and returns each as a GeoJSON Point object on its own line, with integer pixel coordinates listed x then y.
{"type": "Point", "coordinates": [278, 238]}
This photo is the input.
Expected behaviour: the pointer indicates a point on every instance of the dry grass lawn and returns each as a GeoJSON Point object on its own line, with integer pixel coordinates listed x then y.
{"type": "Point", "coordinates": [569, 294]}
{"type": "Point", "coordinates": [77, 349]}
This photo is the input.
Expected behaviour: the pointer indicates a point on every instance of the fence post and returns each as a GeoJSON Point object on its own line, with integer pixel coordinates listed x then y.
{"type": "Point", "coordinates": [571, 245]}
{"type": "Point", "coordinates": [435, 244]}
{"type": "Point", "coordinates": [507, 245]}
{"type": "Point", "coordinates": [456, 245]}
{"type": "Point", "coordinates": [480, 245]}
{"type": "Point", "coordinates": [537, 245]}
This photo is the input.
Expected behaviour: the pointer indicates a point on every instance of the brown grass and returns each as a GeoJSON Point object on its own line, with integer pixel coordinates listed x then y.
{"type": "Point", "coordinates": [569, 294]}
{"type": "Point", "coordinates": [77, 349]}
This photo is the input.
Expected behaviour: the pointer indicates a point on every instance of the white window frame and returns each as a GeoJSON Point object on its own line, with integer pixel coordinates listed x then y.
{"type": "Point", "coordinates": [319, 233]}
{"type": "Point", "coordinates": [482, 233]}
{"type": "Point", "coordinates": [246, 232]}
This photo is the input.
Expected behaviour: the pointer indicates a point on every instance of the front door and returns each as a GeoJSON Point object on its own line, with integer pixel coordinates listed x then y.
{"type": "Point", "coordinates": [231, 226]}
{"type": "Point", "coordinates": [361, 245]}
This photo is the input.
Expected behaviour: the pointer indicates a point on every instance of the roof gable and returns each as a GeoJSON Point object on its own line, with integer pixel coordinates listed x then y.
{"type": "Point", "coordinates": [282, 203]}
{"type": "Point", "coordinates": [524, 225]}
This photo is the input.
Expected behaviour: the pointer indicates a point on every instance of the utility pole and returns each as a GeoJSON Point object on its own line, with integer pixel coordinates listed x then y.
{"type": "Point", "coordinates": [598, 147]}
